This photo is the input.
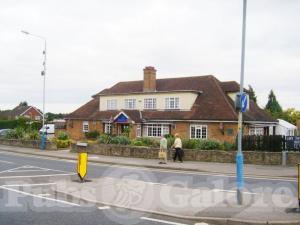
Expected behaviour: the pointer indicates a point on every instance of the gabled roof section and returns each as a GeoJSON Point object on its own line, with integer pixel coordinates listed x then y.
{"type": "Point", "coordinates": [85, 111]}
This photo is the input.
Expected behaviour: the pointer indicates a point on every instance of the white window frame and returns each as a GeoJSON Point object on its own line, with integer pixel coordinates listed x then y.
{"type": "Point", "coordinates": [85, 126]}
{"type": "Point", "coordinates": [256, 131]}
{"type": "Point", "coordinates": [130, 103]}
{"type": "Point", "coordinates": [112, 104]}
{"type": "Point", "coordinates": [200, 131]}
{"type": "Point", "coordinates": [107, 128]}
{"type": "Point", "coordinates": [155, 130]}
{"type": "Point", "coordinates": [150, 103]}
{"type": "Point", "coordinates": [172, 103]}
{"type": "Point", "coordinates": [138, 130]}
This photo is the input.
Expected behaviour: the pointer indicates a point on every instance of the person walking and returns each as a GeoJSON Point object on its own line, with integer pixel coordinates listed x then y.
{"type": "Point", "coordinates": [178, 148]}
{"type": "Point", "coordinates": [163, 150]}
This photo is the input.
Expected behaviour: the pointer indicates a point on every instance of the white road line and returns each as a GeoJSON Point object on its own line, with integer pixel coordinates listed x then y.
{"type": "Point", "coordinates": [44, 195]}
{"type": "Point", "coordinates": [47, 175]}
{"type": "Point", "coordinates": [27, 185]}
{"type": "Point", "coordinates": [161, 221]}
{"type": "Point", "coordinates": [2, 161]}
{"type": "Point", "coordinates": [103, 207]}
{"type": "Point", "coordinates": [38, 196]}
{"type": "Point", "coordinates": [22, 171]}
{"type": "Point", "coordinates": [233, 191]}
{"type": "Point", "coordinates": [5, 171]}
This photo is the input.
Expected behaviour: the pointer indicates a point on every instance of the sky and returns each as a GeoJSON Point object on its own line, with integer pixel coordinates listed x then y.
{"type": "Point", "coordinates": [93, 44]}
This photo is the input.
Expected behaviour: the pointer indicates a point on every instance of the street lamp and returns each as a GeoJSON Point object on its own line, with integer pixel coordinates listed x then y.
{"type": "Point", "coordinates": [239, 155]}
{"type": "Point", "coordinates": [43, 73]}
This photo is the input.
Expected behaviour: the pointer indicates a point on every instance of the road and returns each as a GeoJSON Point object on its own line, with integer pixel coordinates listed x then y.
{"type": "Point", "coordinates": [27, 196]}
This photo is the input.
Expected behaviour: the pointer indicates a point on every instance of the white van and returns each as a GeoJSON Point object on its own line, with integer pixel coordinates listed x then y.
{"type": "Point", "coordinates": [49, 129]}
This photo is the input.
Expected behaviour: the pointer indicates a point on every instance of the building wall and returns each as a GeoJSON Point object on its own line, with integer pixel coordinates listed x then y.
{"type": "Point", "coordinates": [75, 128]}
{"type": "Point", "coordinates": [186, 100]}
{"type": "Point", "coordinates": [226, 132]}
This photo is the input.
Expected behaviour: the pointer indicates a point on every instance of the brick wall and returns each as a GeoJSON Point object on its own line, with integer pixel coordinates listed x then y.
{"type": "Point", "coordinates": [226, 132]}
{"type": "Point", "coordinates": [75, 131]}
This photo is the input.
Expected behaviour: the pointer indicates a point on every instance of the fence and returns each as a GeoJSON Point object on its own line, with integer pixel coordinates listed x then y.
{"type": "Point", "coordinates": [272, 143]}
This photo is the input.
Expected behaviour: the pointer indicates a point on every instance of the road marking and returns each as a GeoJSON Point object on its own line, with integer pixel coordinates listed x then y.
{"type": "Point", "coordinates": [38, 196]}
{"type": "Point", "coordinates": [44, 194]}
{"type": "Point", "coordinates": [47, 175]}
{"type": "Point", "coordinates": [161, 221]}
{"type": "Point", "coordinates": [27, 185]}
{"type": "Point", "coordinates": [30, 169]}
{"type": "Point", "coordinates": [22, 171]}
{"type": "Point", "coordinates": [234, 191]}
{"type": "Point", "coordinates": [109, 164]}
{"type": "Point", "coordinates": [103, 207]}
{"type": "Point", "coordinates": [93, 157]}
{"type": "Point", "coordinates": [201, 224]}
{"type": "Point", "coordinates": [2, 161]}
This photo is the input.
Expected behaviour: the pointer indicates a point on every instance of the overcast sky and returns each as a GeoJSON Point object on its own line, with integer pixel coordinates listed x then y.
{"type": "Point", "coordinates": [95, 43]}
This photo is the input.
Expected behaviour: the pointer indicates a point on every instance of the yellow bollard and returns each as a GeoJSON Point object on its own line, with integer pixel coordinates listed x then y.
{"type": "Point", "coordinates": [82, 165]}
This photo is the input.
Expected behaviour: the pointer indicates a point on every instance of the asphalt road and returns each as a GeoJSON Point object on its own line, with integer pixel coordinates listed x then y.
{"type": "Point", "coordinates": [26, 196]}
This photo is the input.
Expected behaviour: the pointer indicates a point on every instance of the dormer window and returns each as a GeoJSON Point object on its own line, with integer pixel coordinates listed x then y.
{"type": "Point", "coordinates": [130, 103]}
{"type": "Point", "coordinates": [172, 103]}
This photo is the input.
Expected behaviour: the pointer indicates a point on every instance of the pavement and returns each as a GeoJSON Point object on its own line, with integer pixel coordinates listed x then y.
{"type": "Point", "coordinates": [223, 168]}
{"type": "Point", "coordinates": [141, 191]}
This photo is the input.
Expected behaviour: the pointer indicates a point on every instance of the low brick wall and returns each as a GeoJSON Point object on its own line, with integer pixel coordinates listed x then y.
{"type": "Point", "coordinates": [27, 143]}
{"type": "Point", "coordinates": [250, 157]}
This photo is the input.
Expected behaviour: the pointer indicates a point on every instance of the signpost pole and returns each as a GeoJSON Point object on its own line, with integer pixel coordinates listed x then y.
{"type": "Point", "coordinates": [239, 156]}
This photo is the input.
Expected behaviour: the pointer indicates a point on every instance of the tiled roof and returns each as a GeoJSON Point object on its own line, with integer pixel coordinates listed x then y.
{"type": "Point", "coordinates": [85, 111]}
{"type": "Point", "coordinates": [212, 102]}
{"type": "Point", "coordinates": [17, 111]}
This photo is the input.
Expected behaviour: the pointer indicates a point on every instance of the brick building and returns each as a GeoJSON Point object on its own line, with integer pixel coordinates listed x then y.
{"type": "Point", "coordinates": [26, 111]}
{"type": "Point", "coordinates": [195, 107]}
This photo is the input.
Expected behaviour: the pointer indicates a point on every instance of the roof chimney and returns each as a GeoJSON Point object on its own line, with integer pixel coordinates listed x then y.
{"type": "Point", "coordinates": [149, 79]}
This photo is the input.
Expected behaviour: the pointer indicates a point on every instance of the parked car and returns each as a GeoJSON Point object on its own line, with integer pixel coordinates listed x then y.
{"type": "Point", "coordinates": [50, 130]}
{"type": "Point", "coordinates": [3, 132]}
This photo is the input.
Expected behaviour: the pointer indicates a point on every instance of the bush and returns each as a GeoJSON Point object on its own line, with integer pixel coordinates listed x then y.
{"type": "Point", "coordinates": [62, 136]}
{"type": "Point", "coordinates": [18, 133]}
{"type": "Point", "coordinates": [8, 124]}
{"type": "Point", "coordinates": [104, 139]}
{"type": "Point", "coordinates": [92, 134]}
{"type": "Point", "coordinates": [209, 145]}
{"type": "Point", "coordinates": [62, 143]}
{"type": "Point", "coordinates": [120, 140]}
{"type": "Point", "coordinates": [228, 146]}
{"type": "Point", "coordinates": [146, 141]}
{"type": "Point", "coordinates": [190, 143]}
{"type": "Point", "coordinates": [34, 135]}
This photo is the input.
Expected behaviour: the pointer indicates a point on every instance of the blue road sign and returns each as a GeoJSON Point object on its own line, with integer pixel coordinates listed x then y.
{"type": "Point", "coordinates": [244, 102]}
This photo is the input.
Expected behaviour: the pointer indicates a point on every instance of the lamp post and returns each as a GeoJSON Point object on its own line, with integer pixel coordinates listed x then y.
{"type": "Point", "coordinates": [239, 156]}
{"type": "Point", "coordinates": [43, 73]}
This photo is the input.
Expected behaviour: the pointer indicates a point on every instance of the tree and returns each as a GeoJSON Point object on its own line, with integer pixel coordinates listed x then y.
{"type": "Point", "coordinates": [273, 106]}
{"type": "Point", "coordinates": [23, 103]}
{"type": "Point", "coordinates": [291, 115]}
{"type": "Point", "coordinates": [252, 94]}
{"type": "Point", "coordinates": [51, 116]}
